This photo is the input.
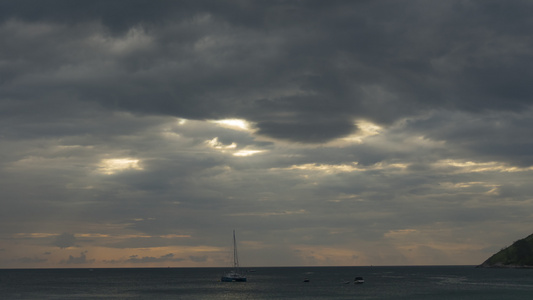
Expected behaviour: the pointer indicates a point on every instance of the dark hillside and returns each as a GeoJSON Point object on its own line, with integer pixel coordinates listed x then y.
{"type": "Point", "coordinates": [518, 255]}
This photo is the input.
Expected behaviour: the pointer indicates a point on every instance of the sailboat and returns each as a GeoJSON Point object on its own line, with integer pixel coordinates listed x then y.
{"type": "Point", "coordinates": [235, 274]}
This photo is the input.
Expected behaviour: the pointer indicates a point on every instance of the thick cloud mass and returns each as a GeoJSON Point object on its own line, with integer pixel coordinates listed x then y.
{"type": "Point", "coordinates": [325, 132]}
{"type": "Point", "coordinates": [301, 70]}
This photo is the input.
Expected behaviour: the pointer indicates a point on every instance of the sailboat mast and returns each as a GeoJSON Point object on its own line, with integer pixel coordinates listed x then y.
{"type": "Point", "coordinates": [235, 257]}
{"type": "Point", "coordinates": [234, 275]}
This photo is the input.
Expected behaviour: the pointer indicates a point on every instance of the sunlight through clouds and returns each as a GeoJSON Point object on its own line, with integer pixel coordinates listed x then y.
{"type": "Point", "coordinates": [35, 235]}
{"type": "Point", "coordinates": [327, 168]}
{"type": "Point", "coordinates": [247, 152]}
{"type": "Point", "coordinates": [235, 124]}
{"type": "Point", "coordinates": [215, 144]}
{"type": "Point", "coordinates": [115, 165]}
{"type": "Point", "coordinates": [347, 168]}
{"type": "Point", "coordinates": [475, 167]}
{"type": "Point", "coordinates": [366, 129]}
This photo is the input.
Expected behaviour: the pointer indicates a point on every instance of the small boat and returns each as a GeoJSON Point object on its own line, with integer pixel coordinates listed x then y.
{"type": "Point", "coordinates": [358, 280]}
{"type": "Point", "coordinates": [235, 274]}
{"type": "Point", "coordinates": [306, 279]}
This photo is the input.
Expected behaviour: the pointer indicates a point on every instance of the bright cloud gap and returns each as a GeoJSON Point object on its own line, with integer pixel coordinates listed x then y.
{"type": "Point", "coordinates": [235, 124]}
{"type": "Point", "coordinates": [115, 165]}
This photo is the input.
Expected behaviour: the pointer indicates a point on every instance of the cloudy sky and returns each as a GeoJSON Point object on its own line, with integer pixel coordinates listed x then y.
{"type": "Point", "coordinates": [141, 133]}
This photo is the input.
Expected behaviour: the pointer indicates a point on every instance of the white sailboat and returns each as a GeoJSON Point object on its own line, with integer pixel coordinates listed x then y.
{"type": "Point", "coordinates": [235, 274]}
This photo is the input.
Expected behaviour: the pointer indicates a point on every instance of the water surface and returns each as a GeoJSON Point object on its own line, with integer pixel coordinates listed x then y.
{"type": "Point", "coordinates": [439, 282]}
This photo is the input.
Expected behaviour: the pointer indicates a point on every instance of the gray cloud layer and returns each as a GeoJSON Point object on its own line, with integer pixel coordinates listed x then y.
{"type": "Point", "coordinates": [301, 70]}
{"type": "Point", "coordinates": [92, 94]}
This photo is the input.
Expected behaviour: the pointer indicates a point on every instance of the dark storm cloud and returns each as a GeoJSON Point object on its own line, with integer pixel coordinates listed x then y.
{"type": "Point", "coordinates": [65, 240]}
{"type": "Point", "coordinates": [76, 260]}
{"type": "Point", "coordinates": [489, 136]}
{"type": "Point", "coordinates": [150, 259]}
{"type": "Point", "coordinates": [303, 71]}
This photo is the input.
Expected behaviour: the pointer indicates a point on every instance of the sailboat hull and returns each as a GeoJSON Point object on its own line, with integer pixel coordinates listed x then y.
{"type": "Point", "coordinates": [233, 279]}
{"type": "Point", "coordinates": [233, 276]}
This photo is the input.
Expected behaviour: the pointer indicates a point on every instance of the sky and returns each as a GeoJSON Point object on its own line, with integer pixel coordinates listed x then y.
{"type": "Point", "coordinates": [326, 133]}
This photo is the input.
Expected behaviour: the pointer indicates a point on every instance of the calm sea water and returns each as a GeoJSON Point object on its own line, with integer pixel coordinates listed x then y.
{"type": "Point", "coordinates": [441, 282]}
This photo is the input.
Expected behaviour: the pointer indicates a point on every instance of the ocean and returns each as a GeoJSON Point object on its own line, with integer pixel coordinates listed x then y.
{"type": "Point", "coordinates": [414, 282]}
